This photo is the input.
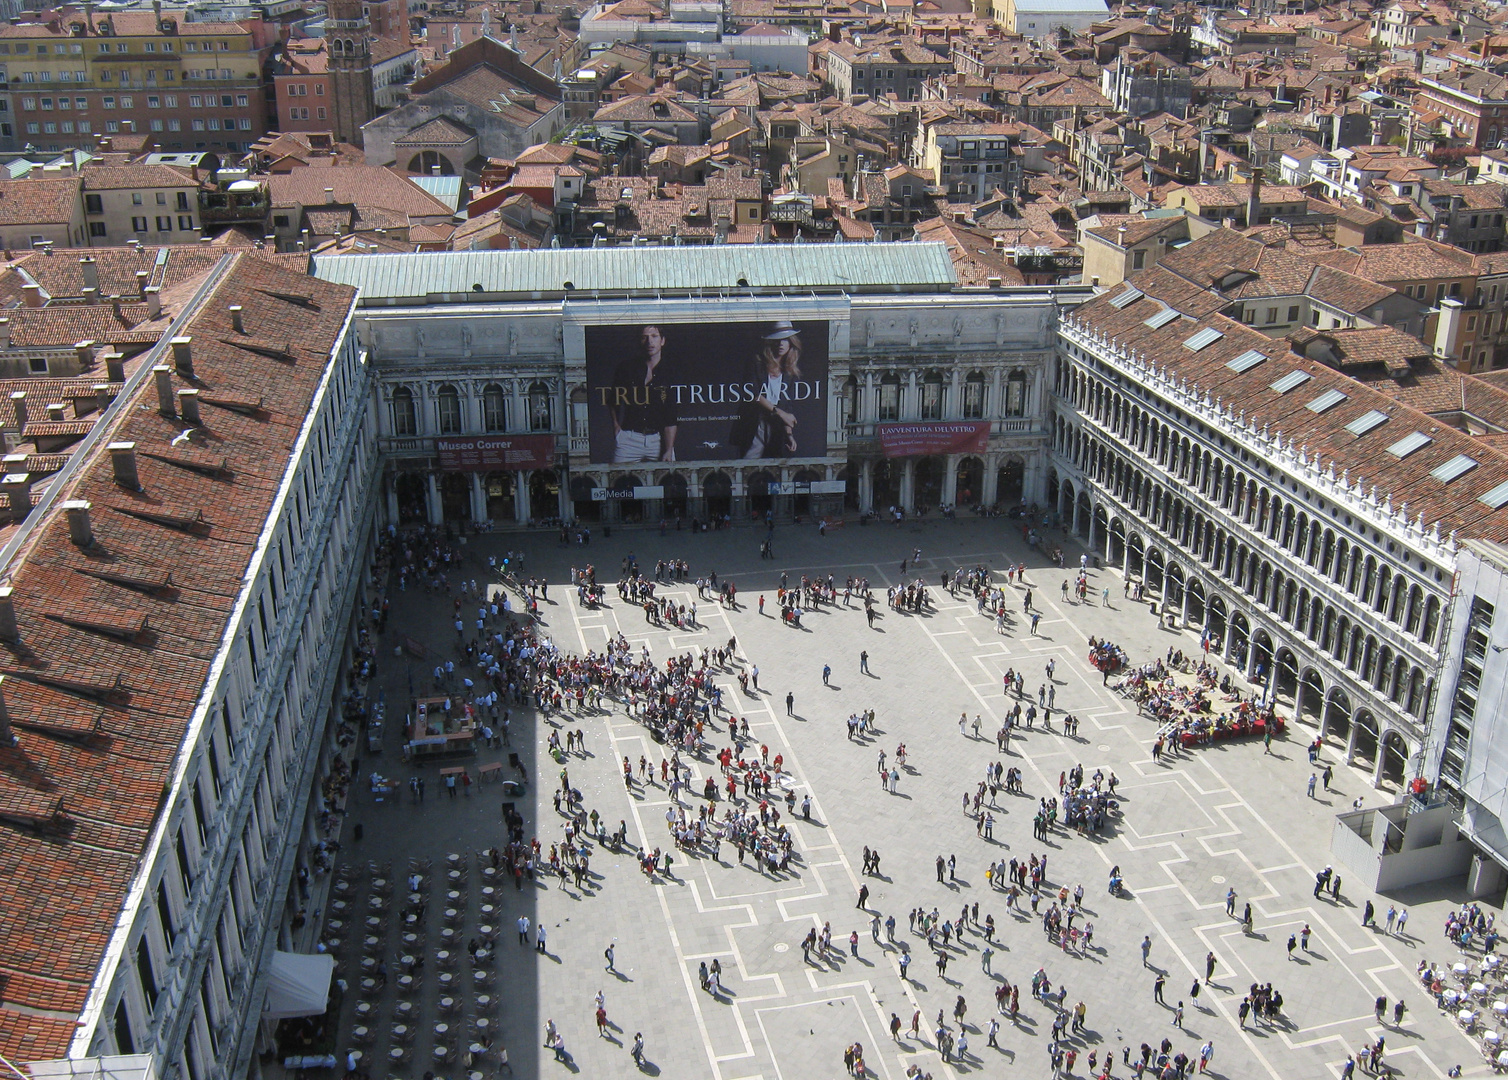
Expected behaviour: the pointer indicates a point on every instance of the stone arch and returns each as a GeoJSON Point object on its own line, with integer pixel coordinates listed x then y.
{"type": "Point", "coordinates": [1364, 743]}
{"type": "Point", "coordinates": [1309, 706]}
{"type": "Point", "coordinates": [1337, 718]}
{"type": "Point", "coordinates": [1392, 770]}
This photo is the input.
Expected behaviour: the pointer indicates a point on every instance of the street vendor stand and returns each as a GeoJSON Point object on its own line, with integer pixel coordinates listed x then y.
{"type": "Point", "coordinates": [434, 732]}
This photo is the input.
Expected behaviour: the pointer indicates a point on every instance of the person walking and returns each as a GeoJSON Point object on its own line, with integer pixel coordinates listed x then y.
{"type": "Point", "coordinates": [1403, 917]}
{"type": "Point", "coordinates": [1292, 941]}
{"type": "Point", "coordinates": [1146, 949]}
{"type": "Point", "coordinates": [1178, 1015]}
{"type": "Point", "coordinates": [1312, 779]}
{"type": "Point", "coordinates": [1209, 967]}
{"type": "Point", "coordinates": [827, 672]}
{"type": "Point", "coordinates": [608, 953]}
{"type": "Point", "coordinates": [523, 930]}
{"type": "Point", "coordinates": [1157, 985]}
{"type": "Point", "coordinates": [1206, 1052]}
{"type": "Point", "coordinates": [1230, 902]}
{"type": "Point", "coordinates": [638, 1050]}
{"type": "Point", "coordinates": [864, 661]}
{"type": "Point", "coordinates": [790, 704]}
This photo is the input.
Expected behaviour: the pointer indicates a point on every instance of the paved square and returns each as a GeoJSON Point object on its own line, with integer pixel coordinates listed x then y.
{"type": "Point", "coordinates": [1192, 826]}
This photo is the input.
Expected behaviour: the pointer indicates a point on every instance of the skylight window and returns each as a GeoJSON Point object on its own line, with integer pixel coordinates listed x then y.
{"type": "Point", "coordinates": [1292, 381]}
{"type": "Point", "coordinates": [1409, 443]}
{"type": "Point", "coordinates": [1366, 422]}
{"type": "Point", "coordinates": [1127, 298]}
{"type": "Point", "coordinates": [1246, 361]}
{"type": "Point", "coordinates": [1205, 338]}
{"type": "Point", "coordinates": [1456, 466]}
{"type": "Point", "coordinates": [1326, 401]}
{"type": "Point", "coordinates": [1497, 498]}
{"type": "Point", "coordinates": [1162, 318]}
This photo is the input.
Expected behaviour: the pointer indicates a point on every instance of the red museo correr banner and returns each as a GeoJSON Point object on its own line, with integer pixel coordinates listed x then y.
{"type": "Point", "coordinates": [483, 452]}
{"type": "Point", "coordinates": [916, 440]}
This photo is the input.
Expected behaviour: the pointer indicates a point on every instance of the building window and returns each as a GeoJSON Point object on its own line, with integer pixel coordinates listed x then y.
{"type": "Point", "coordinates": [448, 410]}
{"type": "Point", "coordinates": [973, 396]}
{"type": "Point", "coordinates": [494, 408]}
{"type": "Point", "coordinates": [97, 228]}
{"type": "Point", "coordinates": [1138, 260]}
{"type": "Point", "coordinates": [932, 396]}
{"type": "Point", "coordinates": [94, 204]}
{"type": "Point", "coordinates": [1015, 394]}
{"type": "Point", "coordinates": [889, 406]}
{"type": "Point", "coordinates": [139, 224]}
{"type": "Point", "coordinates": [164, 224]}
{"type": "Point", "coordinates": [185, 223]}
{"type": "Point", "coordinates": [405, 416]}
{"type": "Point", "coordinates": [541, 414]}
{"type": "Point", "coordinates": [1293, 314]}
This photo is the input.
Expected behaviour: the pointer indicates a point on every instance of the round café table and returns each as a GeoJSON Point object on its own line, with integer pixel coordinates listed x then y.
{"type": "Point", "coordinates": [444, 958]}
{"type": "Point", "coordinates": [442, 1053]}
{"type": "Point", "coordinates": [483, 1025]}
{"type": "Point", "coordinates": [400, 1032]}
{"type": "Point", "coordinates": [488, 892]}
{"type": "Point", "coordinates": [483, 1002]}
{"type": "Point", "coordinates": [449, 934]}
{"type": "Point", "coordinates": [455, 876]}
{"type": "Point", "coordinates": [454, 860]}
{"type": "Point", "coordinates": [405, 983]}
{"type": "Point", "coordinates": [447, 1004]}
{"type": "Point", "coordinates": [410, 939]}
{"type": "Point", "coordinates": [363, 1009]}
{"type": "Point", "coordinates": [371, 942]}
{"type": "Point", "coordinates": [452, 915]}
{"type": "Point", "coordinates": [453, 898]}
{"type": "Point", "coordinates": [395, 1055]}
{"type": "Point", "coordinates": [376, 903]}
{"type": "Point", "coordinates": [441, 1029]}
{"type": "Point", "coordinates": [374, 922]}
{"type": "Point", "coordinates": [403, 1010]}
{"type": "Point", "coordinates": [360, 1034]}
{"type": "Point", "coordinates": [446, 979]}
{"type": "Point", "coordinates": [408, 960]}
{"type": "Point", "coordinates": [486, 911]}
{"type": "Point", "coordinates": [369, 985]}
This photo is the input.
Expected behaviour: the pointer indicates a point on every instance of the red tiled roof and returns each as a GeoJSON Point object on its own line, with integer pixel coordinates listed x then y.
{"type": "Point", "coordinates": [94, 800]}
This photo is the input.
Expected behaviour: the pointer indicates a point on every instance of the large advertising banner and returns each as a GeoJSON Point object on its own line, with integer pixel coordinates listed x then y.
{"type": "Point", "coordinates": [482, 453]}
{"type": "Point", "coordinates": [917, 440]}
{"type": "Point", "coordinates": [707, 391]}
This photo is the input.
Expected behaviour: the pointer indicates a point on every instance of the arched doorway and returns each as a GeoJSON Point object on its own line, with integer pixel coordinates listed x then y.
{"type": "Point", "coordinates": [717, 493]}
{"type": "Point", "coordinates": [885, 484]}
{"type": "Point", "coordinates": [1285, 679]}
{"type": "Point", "coordinates": [674, 504]}
{"type": "Point", "coordinates": [583, 505]}
{"type": "Point", "coordinates": [1367, 738]}
{"type": "Point", "coordinates": [927, 484]}
{"type": "Point", "coordinates": [455, 496]}
{"type": "Point", "coordinates": [761, 502]}
{"type": "Point", "coordinates": [802, 502]}
{"type": "Point", "coordinates": [1240, 639]}
{"type": "Point", "coordinates": [1261, 645]}
{"type": "Point", "coordinates": [621, 492]}
{"type": "Point", "coordinates": [1010, 483]}
{"type": "Point", "coordinates": [1064, 505]}
{"type": "Point", "coordinates": [412, 492]}
{"type": "Point", "coordinates": [1082, 515]}
{"type": "Point", "coordinates": [1051, 489]}
{"type": "Point", "coordinates": [1154, 570]}
{"type": "Point", "coordinates": [1134, 552]}
{"type": "Point", "coordinates": [1214, 625]}
{"type": "Point", "coordinates": [501, 502]}
{"type": "Point", "coordinates": [544, 494]}
{"type": "Point", "coordinates": [1395, 760]}
{"type": "Point", "coordinates": [1196, 602]}
{"type": "Point", "coordinates": [1099, 537]}
{"type": "Point", "coordinates": [1310, 707]}
{"type": "Point", "coordinates": [1172, 592]}
{"type": "Point", "coordinates": [969, 482]}
{"type": "Point", "coordinates": [1337, 720]}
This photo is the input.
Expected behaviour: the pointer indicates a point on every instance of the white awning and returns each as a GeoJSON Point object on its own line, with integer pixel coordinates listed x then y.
{"type": "Point", "coordinates": [298, 984]}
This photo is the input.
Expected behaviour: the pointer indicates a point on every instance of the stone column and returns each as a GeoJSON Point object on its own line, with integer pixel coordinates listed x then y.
{"type": "Point", "coordinates": [518, 410]}
{"type": "Point", "coordinates": [866, 485]}
{"type": "Point", "coordinates": [1230, 634]}
{"type": "Point", "coordinates": [391, 484]}
{"type": "Point", "coordinates": [908, 483]}
{"type": "Point", "coordinates": [521, 511]}
{"type": "Point", "coordinates": [478, 498]}
{"type": "Point", "coordinates": [990, 489]}
{"type": "Point", "coordinates": [1351, 733]}
{"type": "Point", "coordinates": [1251, 655]}
{"type": "Point", "coordinates": [432, 499]}
{"type": "Point", "coordinates": [1183, 613]}
{"type": "Point", "coordinates": [950, 480]}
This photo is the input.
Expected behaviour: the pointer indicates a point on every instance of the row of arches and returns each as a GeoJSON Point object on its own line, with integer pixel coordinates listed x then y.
{"type": "Point", "coordinates": [1392, 595]}
{"type": "Point", "coordinates": [494, 405]}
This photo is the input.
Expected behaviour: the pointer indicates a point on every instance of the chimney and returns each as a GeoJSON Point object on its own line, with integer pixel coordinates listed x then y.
{"type": "Point", "coordinates": [55, 413]}
{"type": "Point", "coordinates": [91, 296]}
{"type": "Point", "coordinates": [123, 460]}
{"type": "Point", "coordinates": [84, 350]}
{"type": "Point", "coordinates": [1254, 198]}
{"type": "Point", "coordinates": [17, 487]}
{"type": "Point", "coordinates": [1246, 80]}
{"type": "Point", "coordinates": [8, 628]}
{"type": "Point", "coordinates": [79, 530]}
{"type": "Point", "coordinates": [18, 403]}
{"type": "Point", "coordinates": [115, 367]}
{"type": "Point", "coordinates": [7, 737]}
{"type": "Point", "coordinates": [101, 397]}
{"type": "Point", "coordinates": [163, 374]}
{"type": "Point", "coordinates": [1446, 327]}
{"type": "Point", "coordinates": [91, 272]}
{"type": "Point", "coordinates": [329, 195]}
{"type": "Point", "coordinates": [142, 277]}
{"type": "Point", "coordinates": [31, 295]}
{"type": "Point", "coordinates": [183, 356]}
{"type": "Point", "coordinates": [153, 298]}
{"type": "Point", "coordinates": [188, 405]}
{"type": "Point", "coordinates": [235, 319]}
{"type": "Point", "coordinates": [4, 333]}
